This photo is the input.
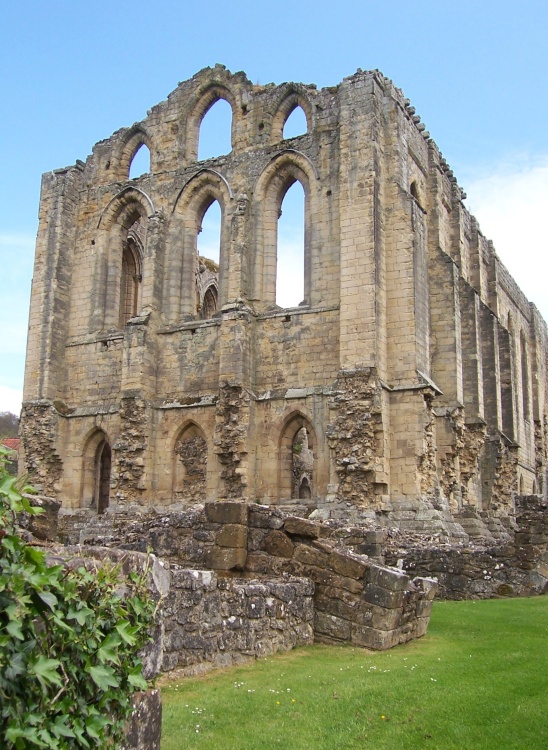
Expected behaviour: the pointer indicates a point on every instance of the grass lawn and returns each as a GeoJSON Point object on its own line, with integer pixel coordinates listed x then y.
{"type": "Point", "coordinates": [477, 681]}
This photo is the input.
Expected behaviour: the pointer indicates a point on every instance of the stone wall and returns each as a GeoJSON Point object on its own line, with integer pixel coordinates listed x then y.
{"type": "Point", "coordinates": [144, 727]}
{"type": "Point", "coordinates": [517, 565]}
{"type": "Point", "coordinates": [414, 363]}
{"type": "Point", "coordinates": [211, 621]}
{"type": "Point", "coordinates": [355, 600]}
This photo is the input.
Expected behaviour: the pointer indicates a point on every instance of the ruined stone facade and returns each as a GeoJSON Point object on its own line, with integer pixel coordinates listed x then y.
{"type": "Point", "coordinates": [408, 386]}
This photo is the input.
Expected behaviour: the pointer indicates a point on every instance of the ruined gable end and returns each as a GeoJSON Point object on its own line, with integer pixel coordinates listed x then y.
{"type": "Point", "coordinates": [407, 385]}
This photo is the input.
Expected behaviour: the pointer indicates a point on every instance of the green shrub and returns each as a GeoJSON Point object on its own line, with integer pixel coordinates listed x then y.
{"type": "Point", "coordinates": [68, 642]}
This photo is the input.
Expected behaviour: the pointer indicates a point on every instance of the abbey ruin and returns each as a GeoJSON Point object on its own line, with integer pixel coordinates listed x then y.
{"type": "Point", "coordinates": [407, 388]}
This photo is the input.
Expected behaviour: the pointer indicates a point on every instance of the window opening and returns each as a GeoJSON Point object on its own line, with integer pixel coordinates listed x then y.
{"type": "Point", "coordinates": [302, 466]}
{"type": "Point", "coordinates": [103, 460]}
{"type": "Point", "coordinates": [209, 305]}
{"type": "Point", "coordinates": [290, 256]}
{"type": "Point", "coordinates": [209, 234]}
{"type": "Point", "coordinates": [130, 283]}
{"type": "Point", "coordinates": [208, 245]}
{"type": "Point", "coordinates": [526, 403]}
{"type": "Point", "coordinates": [140, 164]}
{"type": "Point", "coordinates": [215, 137]}
{"type": "Point", "coordinates": [295, 124]}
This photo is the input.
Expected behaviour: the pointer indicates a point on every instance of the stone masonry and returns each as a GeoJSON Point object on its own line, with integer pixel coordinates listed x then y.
{"type": "Point", "coordinates": [248, 580]}
{"type": "Point", "coordinates": [408, 386]}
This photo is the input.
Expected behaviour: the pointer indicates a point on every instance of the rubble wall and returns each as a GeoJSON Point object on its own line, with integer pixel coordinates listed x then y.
{"type": "Point", "coordinates": [483, 569]}
{"type": "Point", "coordinates": [211, 621]}
{"type": "Point", "coordinates": [355, 600]}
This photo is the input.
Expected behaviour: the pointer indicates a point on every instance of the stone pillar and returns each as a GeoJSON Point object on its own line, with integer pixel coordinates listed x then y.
{"type": "Point", "coordinates": [50, 299]}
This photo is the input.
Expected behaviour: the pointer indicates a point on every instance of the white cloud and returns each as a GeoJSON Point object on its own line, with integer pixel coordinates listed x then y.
{"type": "Point", "coordinates": [510, 202]}
{"type": "Point", "coordinates": [10, 400]}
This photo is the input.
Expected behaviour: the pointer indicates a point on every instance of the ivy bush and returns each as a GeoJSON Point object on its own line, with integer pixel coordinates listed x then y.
{"type": "Point", "coordinates": [68, 641]}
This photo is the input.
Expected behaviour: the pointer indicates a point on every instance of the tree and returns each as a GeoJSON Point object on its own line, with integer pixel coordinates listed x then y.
{"type": "Point", "coordinates": [9, 424]}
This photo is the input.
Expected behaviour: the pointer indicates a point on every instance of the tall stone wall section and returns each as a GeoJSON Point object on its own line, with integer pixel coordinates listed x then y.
{"type": "Point", "coordinates": [414, 363]}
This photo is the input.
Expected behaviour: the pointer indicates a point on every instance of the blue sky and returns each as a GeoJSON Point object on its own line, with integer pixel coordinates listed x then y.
{"type": "Point", "coordinates": [72, 73]}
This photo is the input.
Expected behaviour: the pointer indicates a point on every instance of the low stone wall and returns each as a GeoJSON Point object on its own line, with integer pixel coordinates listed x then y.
{"type": "Point", "coordinates": [212, 621]}
{"type": "Point", "coordinates": [355, 600]}
{"type": "Point", "coordinates": [518, 567]}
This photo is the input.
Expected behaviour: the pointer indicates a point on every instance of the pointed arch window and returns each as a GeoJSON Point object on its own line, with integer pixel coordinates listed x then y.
{"type": "Point", "coordinates": [291, 247]}
{"type": "Point", "coordinates": [190, 465]}
{"type": "Point", "coordinates": [214, 138]}
{"type": "Point", "coordinates": [208, 249]}
{"type": "Point", "coordinates": [131, 275]}
{"type": "Point", "coordinates": [208, 240]}
{"type": "Point", "coordinates": [96, 473]}
{"type": "Point", "coordinates": [295, 123]}
{"type": "Point", "coordinates": [140, 162]}
{"type": "Point", "coordinates": [210, 302]}
{"type": "Point", "coordinates": [525, 392]}
{"type": "Point", "coordinates": [297, 460]}
{"type": "Point", "coordinates": [103, 462]}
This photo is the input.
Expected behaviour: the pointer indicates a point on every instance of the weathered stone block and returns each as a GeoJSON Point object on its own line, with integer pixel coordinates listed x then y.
{"type": "Point", "coordinates": [427, 587]}
{"type": "Point", "coordinates": [347, 564]}
{"type": "Point", "coordinates": [336, 607]}
{"type": "Point", "coordinates": [182, 578]}
{"type": "Point", "coordinates": [379, 618]}
{"type": "Point", "coordinates": [226, 558]}
{"type": "Point", "coordinates": [388, 578]}
{"type": "Point", "coordinates": [144, 727]}
{"type": "Point", "coordinates": [255, 538]}
{"type": "Point", "coordinates": [378, 640]}
{"type": "Point", "coordinates": [278, 544]}
{"type": "Point", "coordinates": [265, 518]}
{"type": "Point", "coordinates": [334, 627]}
{"type": "Point", "coordinates": [227, 512]}
{"type": "Point", "coordinates": [309, 556]}
{"type": "Point", "coordinates": [255, 607]}
{"type": "Point", "coordinates": [420, 626]}
{"type": "Point", "coordinates": [302, 527]}
{"type": "Point", "coordinates": [266, 564]}
{"type": "Point", "coordinates": [44, 526]}
{"type": "Point", "coordinates": [382, 597]}
{"type": "Point", "coordinates": [321, 576]}
{"type": "Point", "coordinates": [423, 608]}
{"type": "Point", "coordinates": [231, 535]}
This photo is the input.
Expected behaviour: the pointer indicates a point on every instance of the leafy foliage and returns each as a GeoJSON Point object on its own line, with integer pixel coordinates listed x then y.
{"type": "Point", "coordinates": [68, 642]}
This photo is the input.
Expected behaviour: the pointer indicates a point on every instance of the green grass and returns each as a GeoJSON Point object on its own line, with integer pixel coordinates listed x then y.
{"type": "Point", "coordinates": [477, 681]}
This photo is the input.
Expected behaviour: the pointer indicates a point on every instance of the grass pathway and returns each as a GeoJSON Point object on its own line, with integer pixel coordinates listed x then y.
{"type": "Point", "coordinates": [477, 681]}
